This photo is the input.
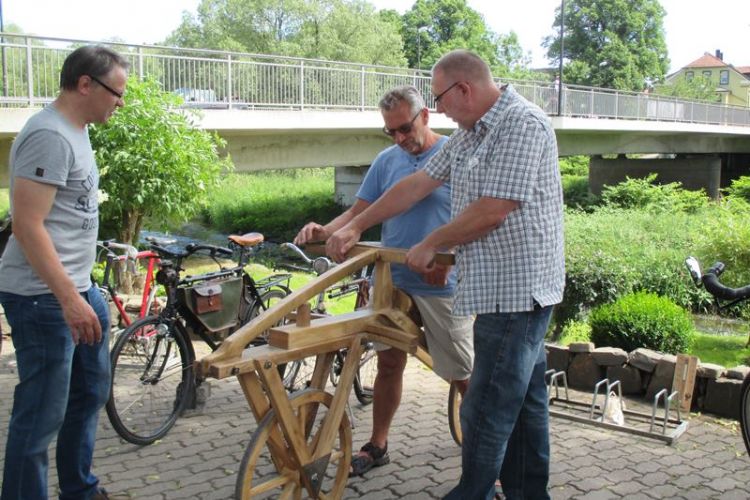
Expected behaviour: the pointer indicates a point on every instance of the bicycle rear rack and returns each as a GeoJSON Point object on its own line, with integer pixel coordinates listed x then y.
{"type": "Point", "coordinates": [657, 425]}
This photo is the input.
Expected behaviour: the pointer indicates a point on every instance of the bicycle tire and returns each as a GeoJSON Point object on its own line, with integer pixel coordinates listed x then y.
{"type": "Point", "coordinates": [152, 378]}
{"type": "Point", "coordinates": [289, 372]}
{"type": "Point", "coordinates": [454, 418]}
{"type": "Point", "coordinates": [364, 379]}
{"type": "Point", "coordinates": [745, 412]}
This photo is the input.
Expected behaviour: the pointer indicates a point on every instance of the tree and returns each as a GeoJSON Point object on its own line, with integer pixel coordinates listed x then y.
{"type": "Point", "coordinates": [451, 24]}
{"type": "Point", "coordinates": [342, 30]}
{"type": "Point", "coordinates": [153, 162]}
{"type": "Point", "coordinates": [699, 88]}
{"type": "Point", "coordinates": [611, 43]}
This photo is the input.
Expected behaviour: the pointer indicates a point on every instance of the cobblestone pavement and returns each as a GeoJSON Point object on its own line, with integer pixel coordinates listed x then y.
{"type": "Point", "coordinates": [199, 458]}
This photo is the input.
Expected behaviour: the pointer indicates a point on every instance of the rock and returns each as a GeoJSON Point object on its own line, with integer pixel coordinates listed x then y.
{"type": "Point", "coordinates": [662, 377]}
{"type": "Point", "coordinates": [578, 347]}
{"type": "Point", "coordinates": [710, 371]}
{"type": "Point", "coordinates": [558, 357]}
{"type": "Point", "coordinates": [630, 378]}
{"type": "Point", "coordinates": [644, 359]}
{"type": "Point", "coordinates": [584, 372]}
{"type": "Point", "coordinates": [722, 397]}
{"type": "Point", "coordinates": [738, 372]}
{"type": "Point", "coordinates": [610, 356]}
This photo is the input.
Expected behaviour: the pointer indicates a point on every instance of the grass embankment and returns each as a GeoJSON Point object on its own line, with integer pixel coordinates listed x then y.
{"type": "Point", "coordinates": [4, 201]}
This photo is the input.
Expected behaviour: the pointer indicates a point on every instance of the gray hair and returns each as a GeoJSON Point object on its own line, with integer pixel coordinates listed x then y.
{"type": "Point", "coordinates": [92, 60]}
{"type": "Point", "coordinates": [463, 64]}
{"type": "Point", "coordinates": [403, 93]}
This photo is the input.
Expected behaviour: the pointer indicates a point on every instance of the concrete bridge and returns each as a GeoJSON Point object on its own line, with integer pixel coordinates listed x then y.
{"type": "Point", "coordinates": [278, 112]}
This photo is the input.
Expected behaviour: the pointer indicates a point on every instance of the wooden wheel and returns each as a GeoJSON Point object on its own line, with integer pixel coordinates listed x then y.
{"type": "Point", "coordinates": [268, 469]}
{"type": "Point", "coordinates": [454, 420]}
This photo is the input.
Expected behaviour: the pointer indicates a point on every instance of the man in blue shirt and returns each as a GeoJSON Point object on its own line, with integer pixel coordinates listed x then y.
{"type": "Point", "coordinates": [449, 337]}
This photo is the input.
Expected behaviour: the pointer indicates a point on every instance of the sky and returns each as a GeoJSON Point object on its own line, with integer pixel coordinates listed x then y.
{"type": "Point", "coordinates": [691, 26]}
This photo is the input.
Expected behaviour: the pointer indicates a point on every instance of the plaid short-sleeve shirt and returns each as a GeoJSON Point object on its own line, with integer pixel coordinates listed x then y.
{"type": "Point", "coordinates": [511, 153]}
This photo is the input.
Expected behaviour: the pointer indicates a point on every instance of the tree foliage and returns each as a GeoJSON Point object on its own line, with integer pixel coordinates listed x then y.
{"type": "Point", "coordinates": [611, 43]}
{"type": "Point", "coordinates": [700, 88]}
{"type": "Point", "coordinates": [153, 162]}
{"type": "Point", "coordinates": [342, 30]}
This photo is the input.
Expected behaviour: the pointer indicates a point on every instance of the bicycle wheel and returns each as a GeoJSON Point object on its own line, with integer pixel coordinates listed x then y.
{"type": "Point", "coordinates": [745, 413]}
{"type": "Point", "coordinates": [152, 376]}
{"type": "Point", "coordinates": [291, 373]}
{"type": "Point", "coordinates": [454, 419]}
{"type": "Point", "coordinates": [266, 475]}
{"type": "Point", "coordinates": [364, 379]}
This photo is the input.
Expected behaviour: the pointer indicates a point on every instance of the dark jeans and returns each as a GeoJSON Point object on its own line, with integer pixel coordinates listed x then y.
{"type": "Point", "coordinates": [62, 387]}
{"type": "Point", "coordinates": [505, 414]}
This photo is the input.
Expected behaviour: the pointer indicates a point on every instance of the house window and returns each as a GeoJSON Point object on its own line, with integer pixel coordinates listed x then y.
{"type": "Point", "coordinates": [689, 76]}
{"type": "Point", "coordinates": [707, 73]}
{"type": "Point", "coordinates": [724, 77]}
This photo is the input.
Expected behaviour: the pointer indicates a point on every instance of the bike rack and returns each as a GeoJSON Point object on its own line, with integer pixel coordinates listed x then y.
{"type": "Point", "coordinates": [657, 425]}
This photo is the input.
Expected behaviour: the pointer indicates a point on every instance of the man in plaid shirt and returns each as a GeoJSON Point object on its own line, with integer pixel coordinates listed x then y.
{"type": "Point", "coordinates": [507, 229]}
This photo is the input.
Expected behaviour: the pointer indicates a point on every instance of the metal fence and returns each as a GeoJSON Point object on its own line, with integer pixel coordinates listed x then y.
{"type": "Point", "coordinates": [218, 79]}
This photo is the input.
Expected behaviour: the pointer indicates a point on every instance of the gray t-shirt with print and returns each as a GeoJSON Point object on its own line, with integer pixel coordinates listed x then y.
{"type": "Point", "coordinates": [51, 150]}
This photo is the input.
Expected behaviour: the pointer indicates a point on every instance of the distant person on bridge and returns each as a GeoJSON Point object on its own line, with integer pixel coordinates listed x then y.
{"type": "Point", "coordinates": [59, 322]}
{"type": "Point", "coordinates": [448, 336]}
{"type": "Point", "coordinates": [508, 229]}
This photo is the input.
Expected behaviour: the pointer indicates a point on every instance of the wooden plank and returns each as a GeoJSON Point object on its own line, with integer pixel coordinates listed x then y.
{"type": "Point", "coordinates": [324, 329]}
{"type": "Point", "coordinates": [389, 254]}
{"type": "Point", "coordinates": [684, 379]}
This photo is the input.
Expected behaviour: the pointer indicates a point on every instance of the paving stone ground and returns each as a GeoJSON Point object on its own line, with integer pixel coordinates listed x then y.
{"type": "Point", "coordinates": [199, 458]}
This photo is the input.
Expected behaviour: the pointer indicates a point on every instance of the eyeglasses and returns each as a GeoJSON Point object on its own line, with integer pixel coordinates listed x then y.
{"type": "Point", "coordinates": [107, 87]}
{"type": "Point", "coordinates": [441, 94]}
{"type": "Point", "coordinates": [403, 129]}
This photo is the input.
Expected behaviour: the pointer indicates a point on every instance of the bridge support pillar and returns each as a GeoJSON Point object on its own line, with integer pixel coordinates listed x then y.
{"type": "Point", "coordinates": [694, 172]}
{"type": "Point", "coordinates": [348, 180]}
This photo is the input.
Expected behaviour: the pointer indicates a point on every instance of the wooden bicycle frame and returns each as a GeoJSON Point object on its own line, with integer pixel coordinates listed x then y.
{"type": "Point", "coordinates": [386, 320]}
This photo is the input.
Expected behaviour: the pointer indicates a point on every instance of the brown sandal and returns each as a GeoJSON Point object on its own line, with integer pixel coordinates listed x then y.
{"type": "Point", "coordinates": [372, 457]}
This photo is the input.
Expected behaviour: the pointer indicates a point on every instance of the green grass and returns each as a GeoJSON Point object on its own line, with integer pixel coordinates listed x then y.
{"type": "Point", "coordinates": [725, 350]}
{"type": "Point", "coordinates": [4, 201]}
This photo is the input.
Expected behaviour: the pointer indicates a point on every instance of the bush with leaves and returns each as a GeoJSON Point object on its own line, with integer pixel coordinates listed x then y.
{"type": "Point", "coordinates": [642, 320]}
{"type": "Point", "coordinates": [154, 162]}
{"type": "Point", "coordinates": [646, 194]}
{"type": "Point", "coordinates": [739, 188]}
{"type": "Point", "coordinates": [576, 192]}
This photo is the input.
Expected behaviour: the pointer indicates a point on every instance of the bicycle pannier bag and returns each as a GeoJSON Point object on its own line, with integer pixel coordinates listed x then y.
{"type": "Point", "coordinates": [215, 304]}
{"type": "Point", "coordinates": [207, 298]}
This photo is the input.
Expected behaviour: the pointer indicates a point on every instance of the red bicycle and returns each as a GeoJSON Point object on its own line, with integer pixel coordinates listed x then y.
{"type": "Point", "coordinates": [131, 257]}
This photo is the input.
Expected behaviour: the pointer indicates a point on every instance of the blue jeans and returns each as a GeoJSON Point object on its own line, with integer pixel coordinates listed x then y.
{"type": "Point", "coordinates": [62, 387]}
{"type": "Point", "coordinates": [505, 414]}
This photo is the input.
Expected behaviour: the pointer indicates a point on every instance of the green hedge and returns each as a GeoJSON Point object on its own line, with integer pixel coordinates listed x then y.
{"type": "Point", "coordinates": [642, 320]}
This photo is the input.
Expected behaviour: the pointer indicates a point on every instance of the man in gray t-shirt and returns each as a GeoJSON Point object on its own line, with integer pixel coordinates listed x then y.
{"type": "Point", "coordinates": [59, 322]}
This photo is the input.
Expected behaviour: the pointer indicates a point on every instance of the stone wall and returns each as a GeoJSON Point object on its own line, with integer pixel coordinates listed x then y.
{"type": "Point", "coordinates": [643, 373]}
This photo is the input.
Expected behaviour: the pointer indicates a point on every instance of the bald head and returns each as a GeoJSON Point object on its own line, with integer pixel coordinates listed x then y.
{"type": "Point", "coordinates": [464, 65]}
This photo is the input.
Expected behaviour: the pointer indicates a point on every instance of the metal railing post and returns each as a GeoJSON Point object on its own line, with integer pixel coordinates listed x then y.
{"type": "Point", "coordinates": [362, 88]}
{"type": "Point", "coordinates": [302, 85]}
{"type": "Point", "coordinates": [29, 72]}
{"type": "Point", "coordinates": [140, 63]}
{"type": "Point", "coordinates": [229, 81]}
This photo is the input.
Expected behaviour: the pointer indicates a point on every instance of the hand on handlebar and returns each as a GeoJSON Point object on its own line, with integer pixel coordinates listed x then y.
{"type": "Point", "coordinates": [340, 242]}
{"type": "Point", "coordinates": [312, 231]}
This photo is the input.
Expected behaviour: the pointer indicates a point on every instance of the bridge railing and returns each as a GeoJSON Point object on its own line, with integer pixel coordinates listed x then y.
{"type": "Point", "coordinates": [30, 68]}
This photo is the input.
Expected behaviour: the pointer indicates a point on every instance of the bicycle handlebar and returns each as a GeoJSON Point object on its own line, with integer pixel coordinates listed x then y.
{"type": "Point", "coordinates": [319, 264]}
{"type": "Point", "coordinates": [710, 281]}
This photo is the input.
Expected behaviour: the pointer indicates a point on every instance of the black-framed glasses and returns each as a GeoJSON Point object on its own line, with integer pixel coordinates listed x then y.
{"type": "Point", "coordinates": [441, 94]}
{"type": "Point", "coordinates": [107, 87]}
{"type": "Point", "coordinates": [403, 129]}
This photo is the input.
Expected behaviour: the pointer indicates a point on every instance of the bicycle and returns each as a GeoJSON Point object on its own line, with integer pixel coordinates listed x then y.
{"type": "Point", "coordinates": [131, 256]}
{"type": "Point", "coordinates": [153, 380]}
{"type": "Point", "coordinates": [725, 297]}
{"type": "Point", "coordinates": [359, 284]}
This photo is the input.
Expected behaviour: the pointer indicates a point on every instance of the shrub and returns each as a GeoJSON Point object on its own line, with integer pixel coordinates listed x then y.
{"type": "Point", "coordinates": [740, 188]}
{"type": "Point", "coordinates": [574, 165]}
{"type": "Point", "coordinates": [575, 331]}
{"type": "Point", "coordinates": [576, 193]}
{"type": "Point", "coordinates": [642, 319]}
{"type": "Point", "coordinates": [646, 194]}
